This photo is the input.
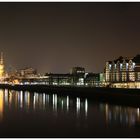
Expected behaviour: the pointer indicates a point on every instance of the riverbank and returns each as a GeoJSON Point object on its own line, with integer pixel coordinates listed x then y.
{"type": "Point", "coordinates": [112, 95]}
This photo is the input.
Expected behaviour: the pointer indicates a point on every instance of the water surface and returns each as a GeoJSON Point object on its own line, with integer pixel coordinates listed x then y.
{"type": "Point", "coordinates": [26, 114]}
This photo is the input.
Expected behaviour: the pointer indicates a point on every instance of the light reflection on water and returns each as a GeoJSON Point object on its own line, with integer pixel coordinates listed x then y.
{"type": "Point", "coordinates": [1, 105]}
{"type": "Point", "coordinates": [112, 114]}
{"type": "Point", "coordinates": [118, 115]}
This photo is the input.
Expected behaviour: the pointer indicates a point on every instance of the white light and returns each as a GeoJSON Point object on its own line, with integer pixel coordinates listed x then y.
{"type": "Point", "coordinates": [67, 102]}
{"type": "Point", "coordinates": [109, 66]}
{"type": "Point", "coordinates": [78, 105]}
{"type": "Point", "coordinates": [121, 66]}
{"type": "Point", "coordinates": [62, 103]}
{"type": "Point", "coordinates": [34, 100]}
{"type": "Point", "coordinates": [55, 83]}
{"type": "Point", "coordinates": [55, 102]}
{"type": "Point", "coordinates": [86, 107]}
{"type": "Point", "coordinates": [134, 65]}
{"type": "Point", "coordinates": [43, 99]}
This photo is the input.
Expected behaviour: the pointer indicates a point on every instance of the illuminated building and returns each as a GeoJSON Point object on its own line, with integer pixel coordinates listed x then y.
{"type": "Point", "coordinates": [1, 66]}
{"type": "Point", "coordinates": [77, 70]}
{"type": "Point", "coordinates": [59, 79]}
{"type": "Point", "coordinates": [123, 69]}
{"type": "Point", "coordinates": [123, 72]}
{"type": "Point", "coordinates": [77, 77]}
{"type": "Point", "coordinates": [92, 79]}
{"type": "Point", "coordinates": [28, 72]}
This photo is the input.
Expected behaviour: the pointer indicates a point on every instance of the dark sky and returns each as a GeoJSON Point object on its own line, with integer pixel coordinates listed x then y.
{"type": "Point", "coordinates": [53, 37]}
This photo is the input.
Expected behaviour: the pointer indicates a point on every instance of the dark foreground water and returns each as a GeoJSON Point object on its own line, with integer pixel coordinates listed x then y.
{"type": "Point", "coordinates": [24, 114]}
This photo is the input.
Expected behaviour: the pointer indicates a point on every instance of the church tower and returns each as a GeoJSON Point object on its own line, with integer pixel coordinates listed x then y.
{"type": "Point", "coordinates": [1, 65]}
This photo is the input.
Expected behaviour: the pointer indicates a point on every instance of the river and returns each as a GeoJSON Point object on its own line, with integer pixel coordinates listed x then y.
{"type": "Point", "coordinates": [31, 114]}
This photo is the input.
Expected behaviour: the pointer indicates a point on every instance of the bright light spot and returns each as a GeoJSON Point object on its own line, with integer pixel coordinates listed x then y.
{"type": "Point", "coordinates": [67, 102]}
{"type": "Point", "coordinates": [78, 105]}
{"type": "Point", "coordinates": [86, 107]}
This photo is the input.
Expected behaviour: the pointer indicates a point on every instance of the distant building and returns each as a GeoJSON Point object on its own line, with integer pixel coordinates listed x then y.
{"type": "Point", "coordinates": [28, 72]}
{"type": "Point", "coordinates": [59, 79]}
{"type": "Point", "coordinates": [102, 77]}
{"type": "Point", "coordinates": [78, 74]}
{"type": "Point", "coordinates": [92, 79]}
{"type": "Point", "coordinates": [1, 65]}
{"type": "Point", "coordinates": [123, 69]}
{"type": "Point", "coordinates": [77, 70]}
{"type": "Point", "coordinates": [76, 77]}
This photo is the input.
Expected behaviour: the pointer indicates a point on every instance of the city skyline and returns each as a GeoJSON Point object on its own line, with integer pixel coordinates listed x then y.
{"type": "Point", "coordinates": [54, 37]}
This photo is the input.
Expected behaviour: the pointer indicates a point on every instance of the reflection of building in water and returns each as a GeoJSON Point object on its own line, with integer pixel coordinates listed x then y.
{"type": "Point", "coordinates": [121, 115]}
{"type": "Point", "coordinates": [58, 103]}
{"type": "Point", "coordinates": [21, 99]}
{"type": "Point", "coordinates": [35, 99]}
{"type": "Point", "coordinates": [78, 106]}
{"type": "Point", "coordinates": [15, 95]}
{"type": "Point", "coordinates": [67, 103]}
{"type": "Point", "coordinates": [10, 98]}
{"type": "Point", "coordinates": [27, 99]}
{"type": "Point", "coordinates": [55, 102]}
{"type": "Point", "coordinates": [6, 98]}
{"type": "Point", "coordinates": [86, 107]}
{"type": "Point", "coordinates": [41, 101]}
{"type": "Point", "coordinates": [1, 105]}
{"type": "Point", "coordinates": [44, 100]}
{"type": "Point", "coordinates": [81, 107]}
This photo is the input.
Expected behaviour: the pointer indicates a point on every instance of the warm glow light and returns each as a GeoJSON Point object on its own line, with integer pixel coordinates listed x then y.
{"type": "Point", "coordinates": [6, 96]}
{"type": "Point", "coordinates": [21, 99]}
{"type": "Point", "coordinates": [27, 99]}
{"type": "Point", "coordinates": [106, 112]}
{"type": "Point", "coordinates": [1, 105]}
{"type": "Point", "coordinates": [138, 112]}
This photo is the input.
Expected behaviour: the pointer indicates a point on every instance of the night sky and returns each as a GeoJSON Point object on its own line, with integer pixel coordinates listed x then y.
{"type": "Point", "coordinates": [54, 37]}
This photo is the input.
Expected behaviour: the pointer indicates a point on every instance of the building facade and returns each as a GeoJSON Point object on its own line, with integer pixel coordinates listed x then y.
{"type": "Point", "coordinates": [123, 69]}
{"type": "Point", "coordinates": [1, 65]}
{"type": "Point", "coordinates": [28, 72]}
{"type": "Point", "coordinates": [76, 77]}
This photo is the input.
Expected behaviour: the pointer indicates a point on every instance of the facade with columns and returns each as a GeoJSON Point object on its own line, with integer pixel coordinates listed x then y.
{"type": "Point", "coordinates": [123, 69]}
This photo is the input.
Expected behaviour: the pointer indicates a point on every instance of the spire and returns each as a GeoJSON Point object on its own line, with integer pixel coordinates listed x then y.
{"type": "Point", "coordinates": [1, 58]}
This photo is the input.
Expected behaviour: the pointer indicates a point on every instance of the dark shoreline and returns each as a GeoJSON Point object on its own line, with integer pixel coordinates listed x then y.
{"type": "Point", "coordinates": [112, 95]}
